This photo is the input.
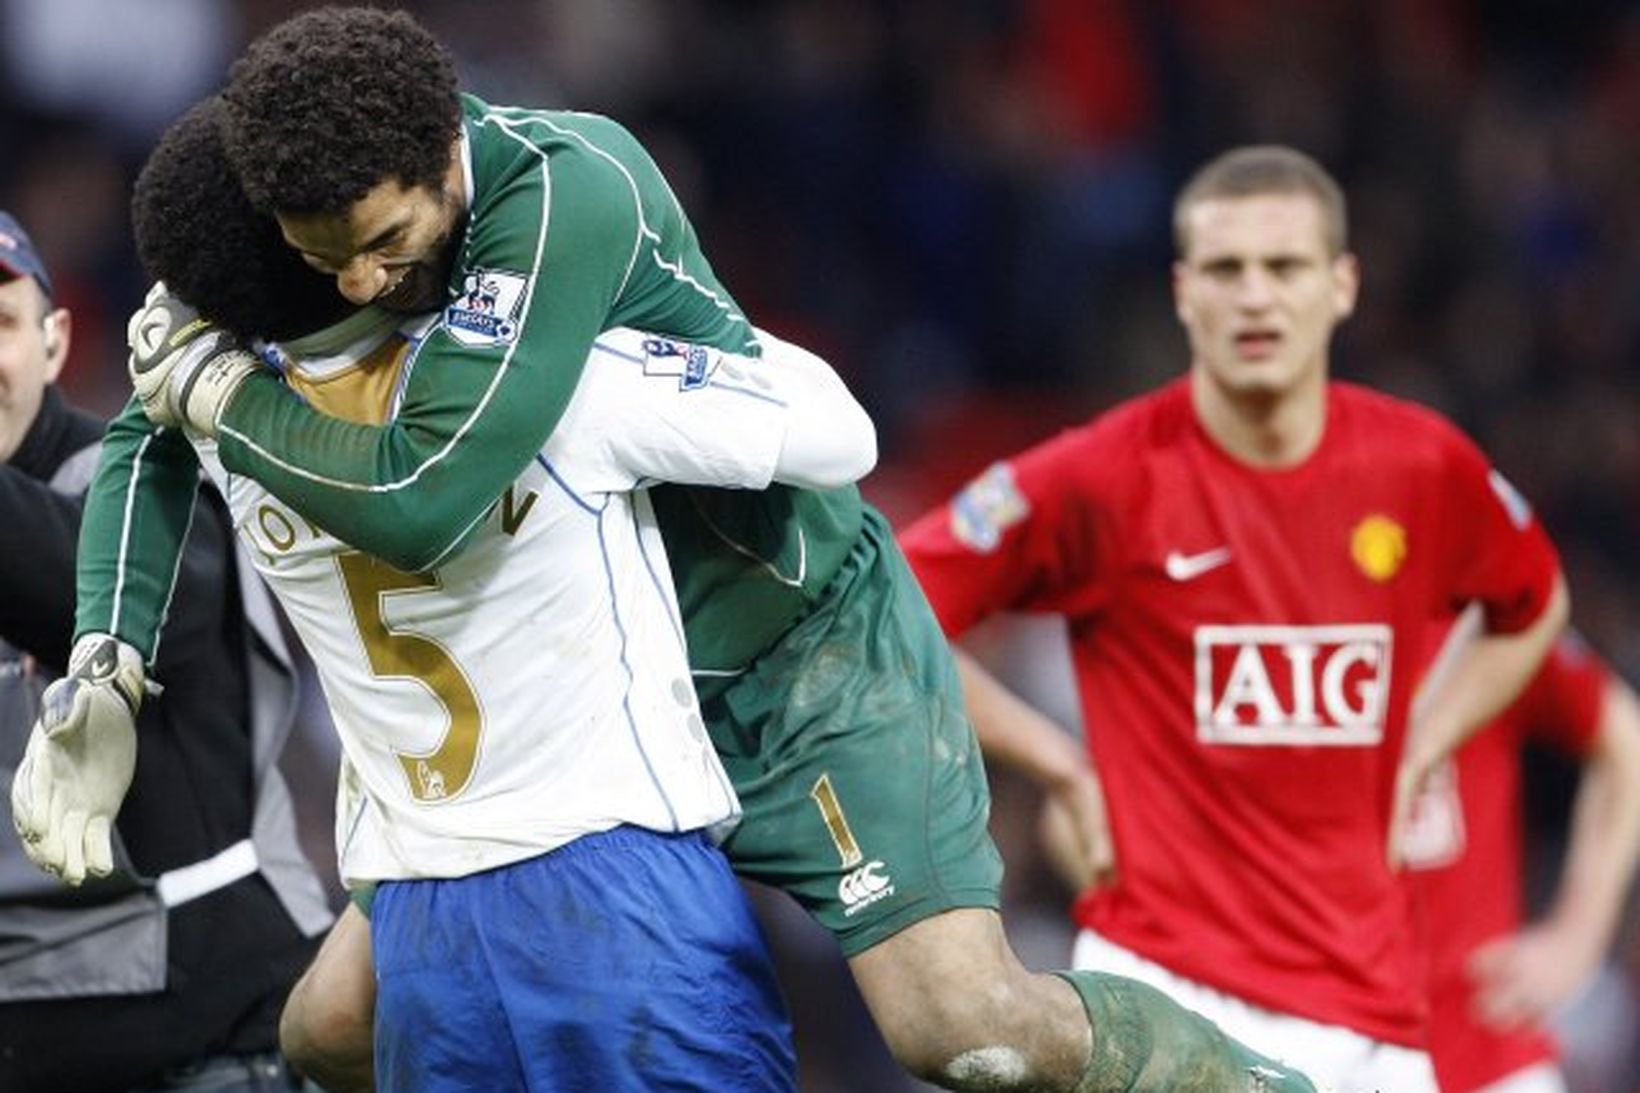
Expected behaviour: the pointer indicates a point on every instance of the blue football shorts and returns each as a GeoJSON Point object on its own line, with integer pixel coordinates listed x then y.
{"type": "Point", "coordinates": [627, 960]}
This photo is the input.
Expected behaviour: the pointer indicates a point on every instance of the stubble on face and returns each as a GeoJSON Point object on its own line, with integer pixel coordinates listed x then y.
{"type": "Point", "coordinates": [424, 286]}
{"type": "Point", "coordinates": [394, 247]}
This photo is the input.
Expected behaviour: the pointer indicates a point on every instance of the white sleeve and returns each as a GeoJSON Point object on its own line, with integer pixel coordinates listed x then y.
{"type": "Point", "coordinates": [830, 440]}
{"type": "Point", "coordinates": [653, 409]}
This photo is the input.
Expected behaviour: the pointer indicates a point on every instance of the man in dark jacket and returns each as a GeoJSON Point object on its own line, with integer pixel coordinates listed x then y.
{"type": "Point", "coordinates": [171, 972]}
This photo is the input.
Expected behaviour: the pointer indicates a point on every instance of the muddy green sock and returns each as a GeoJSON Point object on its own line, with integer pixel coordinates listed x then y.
{"type": "Point", "coordinates": [1144, 1042]}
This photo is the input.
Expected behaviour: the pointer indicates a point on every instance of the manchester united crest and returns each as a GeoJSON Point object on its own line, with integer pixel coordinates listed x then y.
{"type": "Point", "coordinates": [1379, 546]}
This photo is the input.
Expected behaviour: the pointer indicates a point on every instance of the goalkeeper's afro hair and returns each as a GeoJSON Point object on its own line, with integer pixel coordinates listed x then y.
{"type": "Point", "coordinates": [335, 101]}
{"type": "Point", "coordinates": [197, 232]}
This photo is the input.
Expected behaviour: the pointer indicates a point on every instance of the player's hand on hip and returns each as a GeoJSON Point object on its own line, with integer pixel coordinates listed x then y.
{"type": "Point", "coordinates": [1523, 978]}
{"type": "Point", "coordinates": [1410, 779]}
{"type": "Point", "coordinates": [79, 760]}
{"type": "Point", "coordinates": [184, 367]}
{"type": "Point", "coordinates": [1075, 831]}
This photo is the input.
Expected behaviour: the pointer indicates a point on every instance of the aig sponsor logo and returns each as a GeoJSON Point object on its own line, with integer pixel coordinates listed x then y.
{"type": "Point", "coordinates": [1286, 685]}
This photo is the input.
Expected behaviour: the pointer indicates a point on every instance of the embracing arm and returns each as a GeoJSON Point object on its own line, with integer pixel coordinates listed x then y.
{"type": "Point", "coordinates": [137, 514]}
{"type": "Point", "coordinates": [490, 382]}
{"type": "Point", "coordinates": [736, 421]}
{"type": "Point", "coordinates": [830, 441]}
{"type": "Point", "coordinates": [408, 491]}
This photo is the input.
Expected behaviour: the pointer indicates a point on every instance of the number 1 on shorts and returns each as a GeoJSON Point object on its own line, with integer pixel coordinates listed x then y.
{"type": "Point", "coordinates": [831, 812]}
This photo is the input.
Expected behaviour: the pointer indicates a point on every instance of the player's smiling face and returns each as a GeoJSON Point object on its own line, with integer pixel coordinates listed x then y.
{"type": "Point", "coordinates": [394, 247]}
{"type": "Point", "coordinates": [1259, 292]}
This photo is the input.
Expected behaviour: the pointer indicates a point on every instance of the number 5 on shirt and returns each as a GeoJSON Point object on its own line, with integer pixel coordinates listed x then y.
{"type": "Point", "coordinates": [443, 772]}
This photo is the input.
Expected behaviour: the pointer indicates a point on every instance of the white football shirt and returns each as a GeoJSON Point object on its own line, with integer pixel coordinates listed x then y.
{"type": "Point", "coordinates": [535, 688]}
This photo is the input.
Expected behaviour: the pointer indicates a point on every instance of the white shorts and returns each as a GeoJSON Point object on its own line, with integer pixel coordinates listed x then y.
{"type": "Point", "coordinates": [1539, 1078]}
{"type": "Point", "coordinates": [1333, 1056]}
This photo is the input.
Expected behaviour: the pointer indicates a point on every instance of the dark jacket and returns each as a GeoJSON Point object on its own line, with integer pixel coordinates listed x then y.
{"type": "Point", "coordinates": [109, 985]}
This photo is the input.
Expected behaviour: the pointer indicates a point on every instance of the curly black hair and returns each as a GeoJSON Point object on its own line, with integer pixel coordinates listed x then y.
{"type": "Point", "coordinates": [335, 101]}
{"type": "Point", "coordinates": [197, 232]}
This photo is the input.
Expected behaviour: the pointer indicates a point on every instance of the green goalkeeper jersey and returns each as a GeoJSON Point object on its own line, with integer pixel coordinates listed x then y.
{"type": "Point", "coordinates": [571, 230]}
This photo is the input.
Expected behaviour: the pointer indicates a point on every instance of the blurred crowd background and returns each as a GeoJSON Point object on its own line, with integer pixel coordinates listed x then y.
{"type": "Point", "coordinates": [964, 204]}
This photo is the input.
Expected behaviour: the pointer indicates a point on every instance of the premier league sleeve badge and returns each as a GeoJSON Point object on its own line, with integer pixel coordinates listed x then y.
{"type": "Point", "coordinates": [486, 312]}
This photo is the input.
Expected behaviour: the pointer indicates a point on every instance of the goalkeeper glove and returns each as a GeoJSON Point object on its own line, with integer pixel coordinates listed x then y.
{"type": "Point", "coordinates": [184, 367]}
{"type": "Point", "coordinates": [79, 760]}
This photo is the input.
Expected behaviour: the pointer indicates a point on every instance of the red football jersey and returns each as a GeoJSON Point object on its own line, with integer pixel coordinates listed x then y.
{"type": "Point", "coordinates": [1245, 643]}
{"type": "Point", "coordinates": [1465, 853]}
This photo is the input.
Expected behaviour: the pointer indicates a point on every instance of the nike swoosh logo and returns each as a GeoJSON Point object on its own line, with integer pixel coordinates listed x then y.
{"type": "Point", "coordinates": [1187, 567]}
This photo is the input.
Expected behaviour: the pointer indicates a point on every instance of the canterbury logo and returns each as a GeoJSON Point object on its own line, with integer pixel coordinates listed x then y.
{"type": "Point", "coordinates": [1263, 1077]}
{"type": "Point", "coordinates": [864, 886]}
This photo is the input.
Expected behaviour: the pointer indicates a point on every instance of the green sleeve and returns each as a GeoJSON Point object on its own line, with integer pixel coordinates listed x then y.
{"type": "Point", "coordinates": [472, 415]}
{"type": "Point", "coordinates": [136, 518]}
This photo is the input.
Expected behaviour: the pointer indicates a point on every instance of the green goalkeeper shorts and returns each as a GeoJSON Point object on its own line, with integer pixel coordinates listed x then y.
{"type": "Point", "coordinates": [863, 792]}
{"type": "Point", "coordinates": [858, 772]}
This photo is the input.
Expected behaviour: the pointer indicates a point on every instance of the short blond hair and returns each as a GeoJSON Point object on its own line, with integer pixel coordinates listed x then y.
{"type": "Point", "coordinates": [1259, 169]}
